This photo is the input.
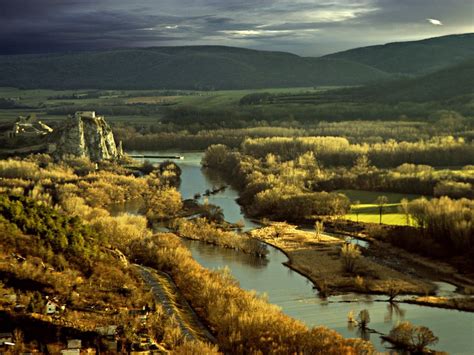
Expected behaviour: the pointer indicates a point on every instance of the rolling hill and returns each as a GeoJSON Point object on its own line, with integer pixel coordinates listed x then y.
{"type": "Point", "coordinates": [197, 67]}
{"type": "Point", "coordinates": [452, 82]}
{"type": "Point", "coordinates": [220, 67]}
{"type": "Point", "coordinates": [413, 58]}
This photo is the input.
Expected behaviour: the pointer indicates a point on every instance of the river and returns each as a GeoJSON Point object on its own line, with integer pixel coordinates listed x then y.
{"type": "Point", "coordinates": [295, 294]}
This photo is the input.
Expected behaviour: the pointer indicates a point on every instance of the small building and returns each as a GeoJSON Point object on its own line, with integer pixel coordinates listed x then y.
{"type": "Point", "coordinates": [52, 307]}
{"type": "Point", "coordinates": [109, 331]}
{"type": "Point", "coordinates": [20, 308]}
{"type": "Point", "coordinates": [74, 344]}
{"type": "Point", "coordinates": [6, 338]}
{"type": "Point", "coordinates": [142, 314]}
{"type": "Point", "coordinates": [71, 352]}
{"type": "Point", "coordinates": [110, 337]}
{"type": "Point", "coordinates": [85, 114]}
{"type": "Point", "coordinates": [9, 297]}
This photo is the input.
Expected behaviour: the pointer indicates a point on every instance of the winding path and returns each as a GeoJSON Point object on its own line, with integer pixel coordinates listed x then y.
{"type": "Point", "coordinates": [167, 294]}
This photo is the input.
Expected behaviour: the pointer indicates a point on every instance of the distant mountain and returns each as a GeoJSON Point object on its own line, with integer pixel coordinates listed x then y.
{"type": "Point", "coordinates": [195, 67]}
{"type": "Point", "coordinates": [453, 82]}
{"type": "Point", "coordinates": [413, 58]}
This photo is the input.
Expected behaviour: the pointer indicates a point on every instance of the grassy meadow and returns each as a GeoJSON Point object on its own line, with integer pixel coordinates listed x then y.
{"type": "Point", "coordinates": [368, 211]}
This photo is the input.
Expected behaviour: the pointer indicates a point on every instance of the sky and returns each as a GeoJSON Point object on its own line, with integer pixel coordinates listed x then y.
{"type": "Point", "coordinates": [304, 27]}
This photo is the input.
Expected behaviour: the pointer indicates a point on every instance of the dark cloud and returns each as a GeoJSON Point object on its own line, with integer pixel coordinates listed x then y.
{"type": "Point", "coordinates": [308, 27]}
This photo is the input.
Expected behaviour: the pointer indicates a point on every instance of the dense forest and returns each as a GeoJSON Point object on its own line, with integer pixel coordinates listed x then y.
{"type": "Point", "coordinates": [177, 68]}
{"type": "Point", "coordinates": [416, 57]}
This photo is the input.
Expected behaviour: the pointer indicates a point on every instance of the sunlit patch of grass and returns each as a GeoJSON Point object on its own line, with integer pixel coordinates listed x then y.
{"type": "Point", "coordinates": [389, 218]}
{"type": "Point", "coordinates": [368, 211]}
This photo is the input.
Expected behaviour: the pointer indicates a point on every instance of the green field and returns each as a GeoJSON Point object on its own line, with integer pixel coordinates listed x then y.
{"type": "Point", "coordinates": [43, 102]}
{"type": "Point", "coordinates": [368, 211]}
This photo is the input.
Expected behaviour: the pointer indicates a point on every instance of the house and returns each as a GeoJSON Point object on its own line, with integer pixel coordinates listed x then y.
{"type": "Point", "coordinates": [109, 333]}
{"type": "Point", "coordinates": [74, 344]}
{"type": "Point", "coordinates": [85, 114]}
{"type": "Point", "coordinates": [9, 297]}
{"type": "Point", "coordinates": [142, 314]}
{"type": "Point", "coordinates": [20, 308]}
{"type": "Point", "coordinates": [6, 338]}
{"type": "Point", "coordinates": [6, 342]}
{"type": "Point", "coordinates": [52, 307]}
{"type": "Point", "coordinates": [73, 347]}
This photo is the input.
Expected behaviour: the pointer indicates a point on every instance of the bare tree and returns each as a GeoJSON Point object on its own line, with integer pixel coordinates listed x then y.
{"type": "Point", "coordinates": [318, 229]}
{"type": "Point", "coordinates": [381, 201]}
{"type": "Point", "coordinates": [393, 290]}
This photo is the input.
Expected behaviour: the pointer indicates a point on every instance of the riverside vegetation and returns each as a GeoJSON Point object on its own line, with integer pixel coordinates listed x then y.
{"type": "Point", "coordinates": [60, 240]}
{"type": "Point", "coordinates": [299, 180]}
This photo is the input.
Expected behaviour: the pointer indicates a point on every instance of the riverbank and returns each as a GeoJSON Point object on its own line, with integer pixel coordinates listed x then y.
{"type": "Point", "coordinates": [405, 261]}
{"type": "Point", "coordinates": [319, 260]}
{"type": "Point", "coordinates": [458, 303]}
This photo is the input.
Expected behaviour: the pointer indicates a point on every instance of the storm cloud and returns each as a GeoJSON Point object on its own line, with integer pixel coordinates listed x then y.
{"type": "Point", "coordinates": [301, 26]}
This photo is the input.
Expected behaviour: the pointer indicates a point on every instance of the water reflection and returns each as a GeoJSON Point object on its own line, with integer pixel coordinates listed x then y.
{"type": "Point", "coordinates": [363, 333]}
{"type": "Point", "coordinates": [394, 309]}
{"type": "Point", "coordinates": [227, 255]}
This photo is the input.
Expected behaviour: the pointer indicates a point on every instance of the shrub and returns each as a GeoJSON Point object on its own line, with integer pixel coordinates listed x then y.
{"type": "Point", "coordinates": [359, 283]}
{"type": "Point", "coordinates": [350, 253]}
{"type": "Point", "coordinates": [411, 337]}
{"type": "Point", "coordinates": [163, 203]}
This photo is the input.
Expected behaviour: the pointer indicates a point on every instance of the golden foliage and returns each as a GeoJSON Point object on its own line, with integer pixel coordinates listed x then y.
{"type": "Point", "coordinates": [243, 321]}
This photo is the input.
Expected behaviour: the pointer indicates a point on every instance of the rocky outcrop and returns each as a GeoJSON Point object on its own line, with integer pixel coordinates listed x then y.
{"type": "Point", "coordinates": [84, 135]}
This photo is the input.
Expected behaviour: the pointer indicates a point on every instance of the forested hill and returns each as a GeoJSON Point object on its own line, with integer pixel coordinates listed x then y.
{"type": "Point", "coordinates": [453, 82]}
{"type": "Point", "coordinates": [415, 58]}
{"type": "Point", "coordinates": [220, 67]}
{"type": "Point", "coordinates": [196, 67]}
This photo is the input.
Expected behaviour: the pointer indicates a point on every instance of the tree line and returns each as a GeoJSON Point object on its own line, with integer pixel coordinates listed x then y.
{"type": "Point", "coordinates": [338, 151]}
{"type": "Point", "coordinates": [195, 135]}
